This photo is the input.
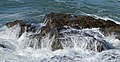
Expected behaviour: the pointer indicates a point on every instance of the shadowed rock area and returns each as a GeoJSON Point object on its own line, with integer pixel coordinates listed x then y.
{"type": "Point", "coordinates": [56, 25]}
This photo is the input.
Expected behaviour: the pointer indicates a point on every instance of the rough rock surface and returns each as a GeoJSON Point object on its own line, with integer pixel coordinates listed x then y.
{"type": "Point", "coordinates": [24, 26]}
{"type": "Point", "coordinates": [55, 24]}
{"type": "Point", "coordinates": [79, 22]}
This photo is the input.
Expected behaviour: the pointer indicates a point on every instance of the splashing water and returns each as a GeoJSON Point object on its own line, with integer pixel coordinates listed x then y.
{"type": "Point", "coordinates": [76, 47]}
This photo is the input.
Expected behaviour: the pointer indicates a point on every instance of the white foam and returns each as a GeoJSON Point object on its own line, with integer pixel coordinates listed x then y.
{"type": "Point", "coordinates": [112, 40]}
{"type": "Point", "coordinates": [76, 54]}
{"type": "Point", "coordinates": [17, 1]}
{"type": "Point", "coordinates": [104, 18]}
{"type": "Point", "coordinates": [10, 33]}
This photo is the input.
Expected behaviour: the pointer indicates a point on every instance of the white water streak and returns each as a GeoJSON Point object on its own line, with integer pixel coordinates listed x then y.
{"type": "Point", "coordinates": [79, 53]}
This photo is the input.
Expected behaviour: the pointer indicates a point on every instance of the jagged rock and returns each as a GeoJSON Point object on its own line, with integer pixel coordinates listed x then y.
{"type": "Point", "coordinates": [23, 25]}
{"type": "Point", "coordinates": [59, 25]}
{"type": "Point", "coordinates": [53, 21]}
{"type": "Point", "coordinates": [11, 24]}
{"type": "Point", "coordinates": [56, 22]}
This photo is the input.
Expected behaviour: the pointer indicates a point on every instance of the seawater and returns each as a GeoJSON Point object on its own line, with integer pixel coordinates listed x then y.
{"type": "Point", "coordinates": [35, 10]}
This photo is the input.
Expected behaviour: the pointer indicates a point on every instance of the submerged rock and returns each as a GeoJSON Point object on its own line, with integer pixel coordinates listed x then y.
{"type": "Point", "coordinates": [66, 31]}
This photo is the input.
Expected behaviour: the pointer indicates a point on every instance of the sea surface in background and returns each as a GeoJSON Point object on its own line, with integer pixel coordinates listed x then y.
{"type": "Point", "coordinates": [35, 10]}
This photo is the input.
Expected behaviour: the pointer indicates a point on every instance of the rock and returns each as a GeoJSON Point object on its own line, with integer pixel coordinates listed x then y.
{"type": "Point", "coordinates": [3, 46]}
{"type": "Point", "coordinates": [59, 25]}
{"type": "Point", "coordinates": [56, 45]}
{"type": "Point", "coordinates": [59, 20]}
{"type": "Point", "coordinates": [23, 25]}
{"type": "Point", "coordinates": [56, 22]}
{"type": "Point", "coordinates": [11, 24]}
{"type": "Point", "coordinates": [53, 21]}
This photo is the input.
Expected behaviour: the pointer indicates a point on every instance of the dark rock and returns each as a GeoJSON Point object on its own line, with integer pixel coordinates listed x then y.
{"type": "Point", "coordinates": [55, 24]}
{"type": "Point", "coordinates": [11, 24]}
{"type": "Point", "coordinates": [3, 46]}
{"type": "Point", "coordinates": [56, 45]}
{"type": "Point", "coordinates": [23, 26]}
{"type": "Point", "coordinates": [80, 22]}
{"type": "Point", "coordinates": [58, 21]}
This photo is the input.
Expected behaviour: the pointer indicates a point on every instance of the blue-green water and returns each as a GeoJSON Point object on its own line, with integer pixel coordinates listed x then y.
{"type": "Point", "coordinates": [34, 10]}
{"type": "Point", "coordinates": [18, 50]}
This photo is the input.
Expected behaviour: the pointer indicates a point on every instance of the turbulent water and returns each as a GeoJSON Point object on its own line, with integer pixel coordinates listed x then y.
{"type": "Point", "coordinates": [18, 50]}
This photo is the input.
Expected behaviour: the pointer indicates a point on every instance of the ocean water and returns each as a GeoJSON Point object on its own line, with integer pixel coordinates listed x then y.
{"type": "Point", "coordinates": [35, 10]}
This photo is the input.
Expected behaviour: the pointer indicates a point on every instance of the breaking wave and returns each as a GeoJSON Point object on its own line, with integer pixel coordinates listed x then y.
{"type": "Point", "coordinates": [17, 49]}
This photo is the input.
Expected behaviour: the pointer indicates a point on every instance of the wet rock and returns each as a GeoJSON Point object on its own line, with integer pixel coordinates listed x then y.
{"type": "Point", "coordinates": [11, 24]}
{"type": "Point", "coordinates": [55, 21]}
{"type": "Point", "coordinates": [59, 25]}
{"type": "Point", "coordinates": [3, 46]}
{"type": "Point", "coordinates": [23, 26]}
{"type": "Point", "coordinates": [56, 45]}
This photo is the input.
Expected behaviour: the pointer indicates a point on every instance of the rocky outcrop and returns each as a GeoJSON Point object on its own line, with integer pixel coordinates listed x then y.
{"type": "Point", "coordinates": [23, 26]}
{"type": "Point", "coordinates": [62, 26]}
{"type": "Point", "coordinates": [56, 22]}
{"type": "Point", "coordinates": [80, 22]}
